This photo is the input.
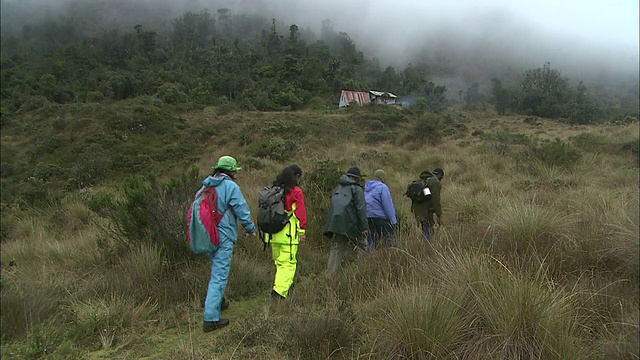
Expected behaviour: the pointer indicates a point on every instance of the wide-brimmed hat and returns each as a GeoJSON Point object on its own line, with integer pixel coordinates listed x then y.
{"type": "Point", "coordinates": [227, 163]}
{"type": "Point", "coordinates": [425, 174]}
{"type": "Point", "coordinates": [355, 172]}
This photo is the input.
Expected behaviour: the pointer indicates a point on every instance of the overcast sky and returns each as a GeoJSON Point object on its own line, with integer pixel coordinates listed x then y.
{"type": "Point", "coordinates": [564, 32]}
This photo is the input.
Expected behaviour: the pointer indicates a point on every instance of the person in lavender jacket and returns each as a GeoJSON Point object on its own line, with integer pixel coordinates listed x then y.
{"type": "Point", "coordinates": [381, 214]}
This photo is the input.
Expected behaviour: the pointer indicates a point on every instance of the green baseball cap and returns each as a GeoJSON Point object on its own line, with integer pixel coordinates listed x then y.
{"type": "Point", "coordinates": [227, 163]}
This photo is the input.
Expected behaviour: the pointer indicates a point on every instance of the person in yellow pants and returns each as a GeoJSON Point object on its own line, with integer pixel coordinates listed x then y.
{"type": "Point", "coordinates": [284, 244]}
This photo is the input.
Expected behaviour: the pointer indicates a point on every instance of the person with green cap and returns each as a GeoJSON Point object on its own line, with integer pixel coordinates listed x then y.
{"type": "Point", "coordinates": [347, 220]}
{"type": "Point", "coordinates": [232, 204]}
{"type": "Point", "coordinates": [381, 214]}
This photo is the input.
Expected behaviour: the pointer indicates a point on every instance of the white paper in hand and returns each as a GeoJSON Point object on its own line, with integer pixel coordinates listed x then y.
{"type": "Point", "coordinates": [426, 191]}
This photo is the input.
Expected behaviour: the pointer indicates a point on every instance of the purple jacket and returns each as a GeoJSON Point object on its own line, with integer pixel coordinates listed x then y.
{"type": "Point", "coordinates": [379, 201]}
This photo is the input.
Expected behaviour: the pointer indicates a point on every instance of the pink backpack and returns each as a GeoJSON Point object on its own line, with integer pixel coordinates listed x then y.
{"type": "Point", "coordinates": [203, 219]}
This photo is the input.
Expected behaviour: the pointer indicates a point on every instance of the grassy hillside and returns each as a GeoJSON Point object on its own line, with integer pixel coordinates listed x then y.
{"type": "Point", "coordinates": [537, 257]}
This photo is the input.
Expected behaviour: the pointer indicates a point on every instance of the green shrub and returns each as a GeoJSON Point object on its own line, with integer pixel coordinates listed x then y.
{"type": "Point", "coordinates": [532, 120]}
{"type": "Point", "coordinates": [556, 153]}
{"type": "Point", "coordinates": [33, 103]}
{"type": "Point", "coordinates": [251, 163]}
{"type": "Point", "coordinates": [34, 192]}
{"type": "Point", "coordinates": [324, 176]}
{"type": "Point", "coordinates": [132, 163]}
{"type": "Point", "coordinates": [379, 137]}
{"type": "Point", "coordinates": [426, 129]}
{"type": "Point", "coordinates": [587, 141]}
{"type": "Point", "coordinates": [47, 172]}
{"type": "Point", "coordinates": [149, 212]}
{"type": "Point", "coordinates": [92, 166]}
{"type": "Point", "coordinates": [277, 149]}
{"type": "Point", "coordinates": [95, 96]}
{"type": "Point", "coordinates": [288, 129]}
{"type": "Point", "coordinates": [632, 146]}
{"type": "Point", "coordinates": [512, 138]}
{"type": "Point", "coordinates": [171, 94]}
{"type": "Point", "coordinates": [60, 124]}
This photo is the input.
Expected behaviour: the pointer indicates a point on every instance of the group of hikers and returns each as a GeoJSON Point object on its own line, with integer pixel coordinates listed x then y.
{"type": "Point", "coordinates": [359, 218]}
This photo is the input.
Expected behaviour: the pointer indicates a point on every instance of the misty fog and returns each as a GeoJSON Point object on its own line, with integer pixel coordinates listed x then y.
{"type": "Point", "coordinates": [476, 41]}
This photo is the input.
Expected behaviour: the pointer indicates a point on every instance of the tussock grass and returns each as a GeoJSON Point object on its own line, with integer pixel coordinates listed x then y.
{"type": "Point", "coordinates": [103, 320]}
{"type": "Point", "coordinates": [421, 322]}
{"type": "Point", "coordinates": [526, 229]}
{"type": "Point", "coordinates": [142, 265]}
{"type": "Point", "coordinates": [515, 314]}
{"type": "Point", "coordinates": [26, 307]}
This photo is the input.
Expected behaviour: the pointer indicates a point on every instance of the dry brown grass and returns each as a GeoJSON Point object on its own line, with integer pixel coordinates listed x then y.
{"type": "Point", "coordinates": [534, 261]}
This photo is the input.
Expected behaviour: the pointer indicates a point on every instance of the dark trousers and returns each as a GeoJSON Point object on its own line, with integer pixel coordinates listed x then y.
{"type": "Point", "coordinates": [427, 228]}
{"type": "Point", "coordinates": [380, 229]}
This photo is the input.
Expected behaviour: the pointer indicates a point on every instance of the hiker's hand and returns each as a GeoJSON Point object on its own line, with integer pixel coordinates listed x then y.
{"type": "Point", "coordinates": [252, 234]}
{"type": "Point", "coordinates": [303, 237]}
{"type": "Point", "coordinates": [439, 219]}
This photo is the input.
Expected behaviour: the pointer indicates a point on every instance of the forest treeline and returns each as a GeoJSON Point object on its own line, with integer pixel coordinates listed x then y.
{"type": "Point", "coordinates": [255, 63]}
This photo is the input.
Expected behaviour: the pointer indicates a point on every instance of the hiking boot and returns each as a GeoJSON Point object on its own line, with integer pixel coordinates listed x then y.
{"type": "Point", "coordinates": [215, 325]}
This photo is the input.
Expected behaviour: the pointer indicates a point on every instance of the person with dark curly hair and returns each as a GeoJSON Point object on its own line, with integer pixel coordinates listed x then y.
{"type": "Point", "coordinates": [284, 244]}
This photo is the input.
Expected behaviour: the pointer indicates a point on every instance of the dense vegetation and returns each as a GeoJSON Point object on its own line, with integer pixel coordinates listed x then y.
{"type": "Point", "coordinates": [107, 134]}
{"type": "Point", "coordinates": [253, 62]}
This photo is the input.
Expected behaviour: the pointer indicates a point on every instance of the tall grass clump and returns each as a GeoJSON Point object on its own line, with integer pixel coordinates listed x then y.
{"type": "Point", "coordinates": [525, 228]}
{"type": "Point", "coordinates": [102, 321]}
{"type": "Point", "coordinates": [25, 307]}
{"type": "Point", "coordinates": [421, 322]}
{"type": "Point", "coordinates": [515, 314]}
{"type": "Point", "coordinates": [321, 335]}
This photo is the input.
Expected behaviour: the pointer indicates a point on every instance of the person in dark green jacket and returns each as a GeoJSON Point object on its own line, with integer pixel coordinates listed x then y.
{"type": "Point", "coordinates": [347, 220]}
{"type": "Point", "coordinates": [424, 211]}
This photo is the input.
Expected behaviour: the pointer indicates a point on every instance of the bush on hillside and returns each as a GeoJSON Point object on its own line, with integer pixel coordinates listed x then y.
{"type": "Point", "coordinates": [426, 129]}
{"type": "Point", "coordinates": [171, 94]}
{"type": "Point", "coordinates": [556, 153]}
{"type": "Point", "coordinates": [277, 149]}
{"type": "Point", "coordinates": [588, 141]}
{"type": "Point", "coordinates": [92, 166]}
{"type": "Point", "coordinates": [95, 96]}
{"type": "Point", "coordinates": [149, 212]}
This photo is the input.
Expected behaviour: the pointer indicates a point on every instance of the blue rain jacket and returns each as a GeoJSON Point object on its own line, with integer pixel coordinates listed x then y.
{"type": "Point", "coordinates": [232, 204]}
{"type": "Point", "coordinates": [379, 201]}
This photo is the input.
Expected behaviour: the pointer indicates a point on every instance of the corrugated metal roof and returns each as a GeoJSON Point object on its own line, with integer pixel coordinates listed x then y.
{"type": "Point", "coordinates": [359, 97]}
{"type": "Point", "coordinates": [381, 93]}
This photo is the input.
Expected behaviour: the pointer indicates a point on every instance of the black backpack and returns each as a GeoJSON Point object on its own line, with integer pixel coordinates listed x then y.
{"type": "Point", "coordinates": [418, 191]}
{"type": "Point", "coordinates": [272, 217]}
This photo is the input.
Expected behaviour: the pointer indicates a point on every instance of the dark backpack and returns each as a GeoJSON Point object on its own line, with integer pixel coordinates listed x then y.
{"type": "Point", "coordinates": [418, 191]}
{"type": "Point", "coordinates": [203, 219]}
{"type": "Point", "coordinates": [272, 216]}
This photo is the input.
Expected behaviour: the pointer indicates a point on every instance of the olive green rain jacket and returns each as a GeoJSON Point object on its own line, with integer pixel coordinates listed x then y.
{"type": "Point", "coordinates": [348, 213]}
{"type": "Point", "coordinates": [426, 209]}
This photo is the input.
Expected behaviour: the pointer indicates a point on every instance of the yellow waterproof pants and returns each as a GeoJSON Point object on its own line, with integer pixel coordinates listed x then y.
{"type": "Point", "coordinates": [285, 258]}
